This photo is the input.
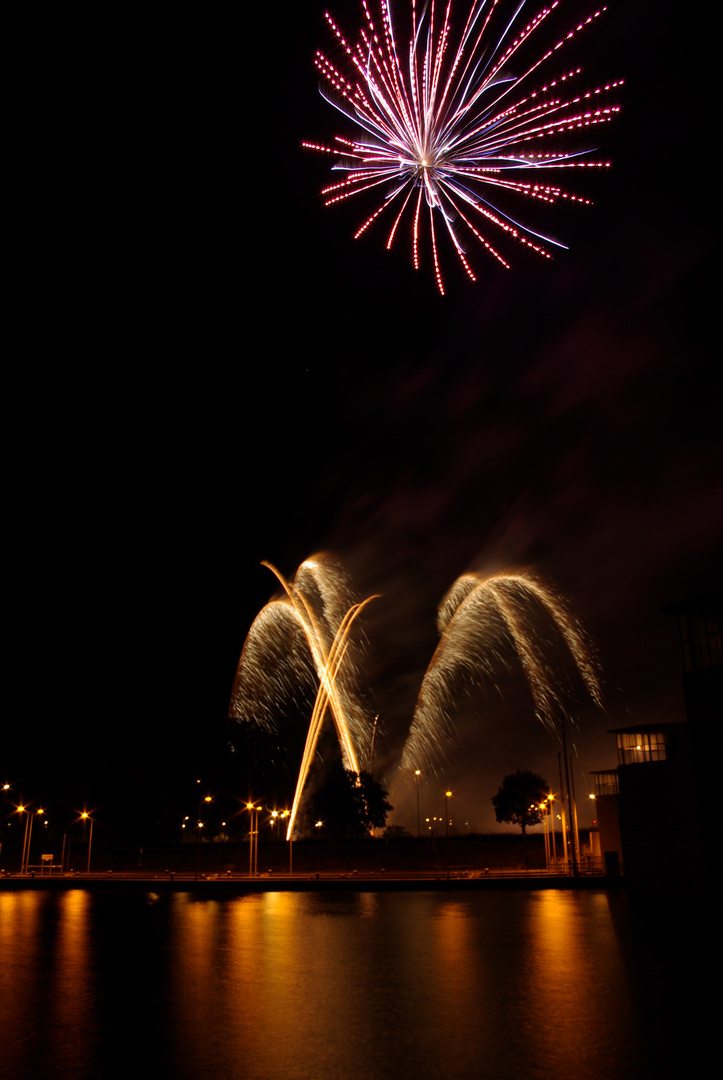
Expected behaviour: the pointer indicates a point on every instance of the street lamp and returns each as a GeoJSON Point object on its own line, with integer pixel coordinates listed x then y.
{"type": "Point", "coordinates": [86, 817]}
{"type": "Point", "coordinates": [253, 838]}
{"type": "Point", "coordinates": [23, 810]}
{"type": "Point", "coordinates": [417, 774]}
{"type": "Point", "coordinates": [447, 797]}
{"type": "Point", "coordinates": [553, 841]}
{"type": "Point", "coordinates": [28, 824]}
{"type": "Point", "coordinates": [544, 808]}
{"type": "Point", "coordinates": [199, 826]}
{"type": "Point", "coordinates": [5, 789]}
{"type": "Point", "coordinates": [289, 837]}
{"type": "Point", "coordinates": [25, 863]}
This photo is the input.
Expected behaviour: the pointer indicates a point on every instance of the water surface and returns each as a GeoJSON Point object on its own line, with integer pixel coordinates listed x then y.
{"type": "Point", "coordinates": [355, 986]}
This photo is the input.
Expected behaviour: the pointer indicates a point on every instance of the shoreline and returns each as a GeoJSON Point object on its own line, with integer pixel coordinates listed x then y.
{"type": "Point", "coordinates": [236, 884]}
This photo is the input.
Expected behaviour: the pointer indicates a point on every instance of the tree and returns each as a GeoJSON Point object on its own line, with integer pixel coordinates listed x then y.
{"type": "Point", "coordinates": [374, 800]}
{"type": "Point", "coordinates": [351, 805]}
{"type": "Point", "coordinates": [518, 799]}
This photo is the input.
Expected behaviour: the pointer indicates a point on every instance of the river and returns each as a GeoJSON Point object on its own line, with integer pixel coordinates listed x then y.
{"type": "Point", "coordinates": [351, 986]}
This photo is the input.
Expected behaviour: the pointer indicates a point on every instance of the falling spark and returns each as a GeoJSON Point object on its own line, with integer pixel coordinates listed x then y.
{"type": "Point", "coordinates": [479, 619]}
{"type": "Point", "coordinates": [301, 640]}
{"type": "Point", "coordinates": [446, 121]}
{"type": "Point", "coordinates": [327, 694]}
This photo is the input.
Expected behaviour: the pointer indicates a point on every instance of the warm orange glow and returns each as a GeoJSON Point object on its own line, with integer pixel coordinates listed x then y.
{"type": "Point", "coordinates": [478, 620]}
{"type": "Point", "coordinates": [327, 636]}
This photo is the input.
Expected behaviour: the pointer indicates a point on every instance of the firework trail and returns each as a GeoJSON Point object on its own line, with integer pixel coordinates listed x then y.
{"type": "Point", "coordinates": [484, 624]}
{"type": "Point", "coordinates": [327, 695]}
{"type": "Point", "coordinates": [449, 121]}
{"type": "Point", "coordinates": [299, 643]}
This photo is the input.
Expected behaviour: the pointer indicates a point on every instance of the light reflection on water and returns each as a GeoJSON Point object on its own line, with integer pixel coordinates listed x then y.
{"type": "Point", "coordinates": [334, 986]}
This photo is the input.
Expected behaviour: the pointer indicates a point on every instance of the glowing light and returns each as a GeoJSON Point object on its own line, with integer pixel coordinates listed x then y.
{"type": "Point", "coordinates": [487, 627]}
{"type": "Point", "coordinates": [480, 620]}
{"type": "Point", "coordinates": [317, 612]}
{"type": "Point", "coordinates": [327, 694]}
{"type": "Point", "coordinates": [442, 116]}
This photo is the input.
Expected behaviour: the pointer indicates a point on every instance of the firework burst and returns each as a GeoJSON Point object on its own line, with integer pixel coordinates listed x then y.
{"type": "Point", "coordinates": [449, 122]}
{"type": "Point", "coordinates": [301, 641]}
{"type": "Point", "coordinates": [484, 624]}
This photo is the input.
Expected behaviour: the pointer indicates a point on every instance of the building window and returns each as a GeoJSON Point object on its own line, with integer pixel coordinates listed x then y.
{"type": "Point", "coordinates": [700, 635]}
{"type": "Point", "coordinates": [634, 747]}
{"type": "Point", "coordinates": [606, 783]}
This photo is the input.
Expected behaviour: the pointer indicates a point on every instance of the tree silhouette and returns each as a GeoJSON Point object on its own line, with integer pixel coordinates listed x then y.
{"type": "Point", "coordinates": [518, 800]}
{"type": "Point", "coordinates": [351, 805]}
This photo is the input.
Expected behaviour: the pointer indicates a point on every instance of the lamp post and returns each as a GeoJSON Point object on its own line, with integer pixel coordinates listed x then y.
{"type": "Point", "coordinates": [28, 823]}
{"type": "Point", "coordinates": [285, 814]}
{"type": "Point", "coordinates": [417, 774]}
{"type": "Point", "coordinates": [199, 826]}
{"type": "Point", "coordinates": [5, 789]}
{"type": "Point", "coordinates": [259, 808]}
{"type": "Point", "coordinates": [572, 812]}
{"type": "Point", "coordinates": [447, 797]}
{"type": "Point", "coordinates": [28, 837]}
{"type": "Point", "coordinates": [553, 841]}
{"type": "Point", "coordinates": [21, 809]}
{"type": "Point", "coordinates": [545, 808]}
{"type": "Point", "coordinates": [86, 817]}
{"type": "Point", "coordinates": [253, 838]}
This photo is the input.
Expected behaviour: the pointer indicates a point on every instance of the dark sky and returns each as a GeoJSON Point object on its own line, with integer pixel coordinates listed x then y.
{"type": "Point", "coordinates": [210, 372]}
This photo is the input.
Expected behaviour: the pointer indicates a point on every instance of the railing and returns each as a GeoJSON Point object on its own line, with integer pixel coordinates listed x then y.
{"type": "Point", "coordinates": [45, 868]}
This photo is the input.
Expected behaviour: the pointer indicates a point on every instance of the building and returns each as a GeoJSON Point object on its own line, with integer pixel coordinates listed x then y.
{"type": "Point", "coordinates": [655, 811]}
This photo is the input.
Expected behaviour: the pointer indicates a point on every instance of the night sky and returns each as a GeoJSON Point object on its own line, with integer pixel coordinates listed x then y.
{"type": "Point", "coordinates": [210, 371]}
